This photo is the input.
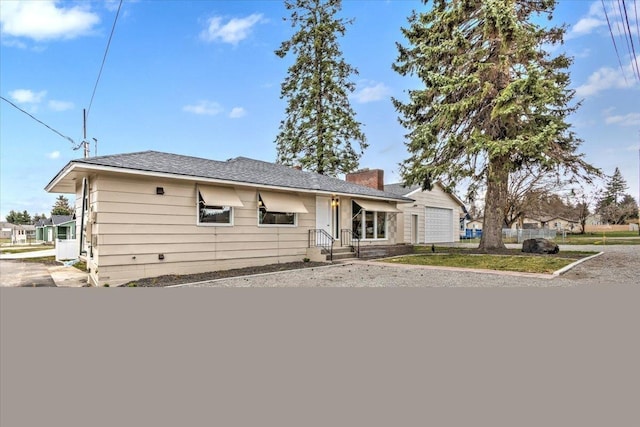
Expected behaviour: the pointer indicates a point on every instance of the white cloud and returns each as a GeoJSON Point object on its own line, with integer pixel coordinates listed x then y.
{"type": "Point", "coordinates": [26, 96]}
{"type": "Point", "coordinates": [13, 43]}
{"type": "Point", "coordinates": [237, 112]}
{"type": "Point", "coordinates": [208, 108]}
{"type": "Point", "coordinates": [45, 20]}
{"type": "Point", "coordinates": [631, 119]}
{"type": "Point", "coordinates": [608, 78]}
{"type": "Point", "coordinates": [233, 32]}
{"type": "Point", "coordinates": [372, 93]}
{"type": "Point", "coordinates": [597, 18]}
{"type": "Point", "coordinates": [586, 26]}
{"type": "Point", "coordinates": [53, 155]}
{"type": "Point", "coordinates": [60, 105]}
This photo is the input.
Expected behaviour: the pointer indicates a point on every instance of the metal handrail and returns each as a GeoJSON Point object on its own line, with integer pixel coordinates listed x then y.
{"type": "Point", "coordinates": [348, 237]}
{"type": "Point", "coordinates": [320, 238]}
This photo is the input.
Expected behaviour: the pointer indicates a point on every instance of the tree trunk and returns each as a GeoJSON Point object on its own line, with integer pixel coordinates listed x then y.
{"type": "Point", "coordinates": [497, 182]}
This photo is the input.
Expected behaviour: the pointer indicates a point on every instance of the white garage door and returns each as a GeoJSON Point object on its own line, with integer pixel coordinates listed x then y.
{"type": "Point", "coordinates": [438, 225]}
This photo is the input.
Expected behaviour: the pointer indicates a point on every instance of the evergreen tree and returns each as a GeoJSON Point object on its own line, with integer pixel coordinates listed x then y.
{"type": "Point", "coordinates": [38, 217]}
{"type": "Point", "coordinates": [320, 125]}
{"type": "Point", "coordinates": [61, 207]}
{"type": "Point", "coordinates": [493, 99]}
{"type": "Point", "coordinates": [26, 217]}
{"type": "Point", "coordinates": [615, 188]}
{"type": "Point", "coordinates": [610, 203]}
{"type": "Point", "coordinates": [17, 218]}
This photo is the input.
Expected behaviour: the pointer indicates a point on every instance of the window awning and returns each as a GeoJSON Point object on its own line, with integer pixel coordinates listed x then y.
{"type": "Point", "coordinates": [220, 196]}
{"type": "Point", "coordinates": [377, 206]}
{"type": "Point", "coordinates": [282, 202]}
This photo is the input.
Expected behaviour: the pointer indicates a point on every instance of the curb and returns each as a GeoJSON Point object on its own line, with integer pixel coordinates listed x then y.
{"type": "Point", "coordinates": [573, 264]}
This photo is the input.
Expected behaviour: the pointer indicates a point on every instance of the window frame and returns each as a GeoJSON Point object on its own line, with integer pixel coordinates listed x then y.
{"type": "Point", "coordinates": [362, 232]}
{"type": "Point", "coordinates": [200, 204]}
{"type": "Point", "coordinates": [261, 206]}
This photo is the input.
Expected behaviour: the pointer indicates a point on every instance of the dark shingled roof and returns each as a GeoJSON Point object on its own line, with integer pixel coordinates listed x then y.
{"type": "Point", "coordinates": [239, 169]}
{"type": "Point", "coordinates": [400, 189]}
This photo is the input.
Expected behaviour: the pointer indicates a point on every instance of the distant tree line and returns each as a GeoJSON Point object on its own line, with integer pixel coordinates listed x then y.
{"type": "Point", "coordinates": [61, 207]}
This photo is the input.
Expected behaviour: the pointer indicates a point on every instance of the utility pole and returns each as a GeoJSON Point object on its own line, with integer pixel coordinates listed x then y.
{"type": "Point", "coordinates": [85, 143]}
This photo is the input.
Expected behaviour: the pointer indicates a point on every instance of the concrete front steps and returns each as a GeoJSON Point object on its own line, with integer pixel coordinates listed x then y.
{"type": "Point", "coordinates": [341, 253]}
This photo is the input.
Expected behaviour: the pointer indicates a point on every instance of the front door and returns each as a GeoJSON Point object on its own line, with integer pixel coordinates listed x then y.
{"type": "Point", "coordinates": [323, 214]}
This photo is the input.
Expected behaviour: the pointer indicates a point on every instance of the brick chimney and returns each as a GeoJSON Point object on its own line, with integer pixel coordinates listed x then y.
{"type": "Point", "coordinates": [373, 178]}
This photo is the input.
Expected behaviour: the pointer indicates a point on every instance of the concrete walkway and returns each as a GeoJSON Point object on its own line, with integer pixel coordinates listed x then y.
{"type": "Point", "coordinates": [31, 254]}
{"type": "Point", "coordinates": [14, 273]}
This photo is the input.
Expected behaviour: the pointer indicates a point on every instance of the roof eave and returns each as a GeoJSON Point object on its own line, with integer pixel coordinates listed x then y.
{"type": "Point", "coordinates": [54, 185]}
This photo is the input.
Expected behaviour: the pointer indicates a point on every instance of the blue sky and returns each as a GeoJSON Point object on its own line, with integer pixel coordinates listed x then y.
{"type": "Point", "coordinates": [201, 78]}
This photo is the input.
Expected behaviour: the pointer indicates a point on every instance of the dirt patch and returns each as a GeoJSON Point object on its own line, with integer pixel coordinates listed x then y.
{"type": "Point", "coordinates": [174, 279]}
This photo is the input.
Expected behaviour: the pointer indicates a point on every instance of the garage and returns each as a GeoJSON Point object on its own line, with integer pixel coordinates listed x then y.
{"type": "Point", "coordinates": [438, 225]}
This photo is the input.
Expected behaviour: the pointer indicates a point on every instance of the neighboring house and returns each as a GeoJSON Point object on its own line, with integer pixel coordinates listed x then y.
{"type": "Point", "coordinates": [560, 224]}
{"type": "Point", "coordinates": [24, 234]}
{"type": "Point", "coordinates": [526, 223]}
{"type": "Point", "coordinates": [434, 217]}
{"type": "Point", "coordinates": [475, 224]}
{"type": "Point", "coordinates": [151, 213]}
{"type": "Point", "coordinates": [6, 230]}
{"type": "Point", "coordinates": [41, 229]}
{"type": "Point", "coordinates": [17, 233]}
{"type": "Point", "coordinates": [57, 227]}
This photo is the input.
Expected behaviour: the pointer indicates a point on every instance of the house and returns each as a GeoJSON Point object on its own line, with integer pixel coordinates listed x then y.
{"type": "Point", "coordinates": [17, 233]}
{"type": "Point", "coordinates": [6, 230]}
{"type": "Point", "coordinates": [57, 227]}
{"type": "Point", "coordinates": [475, 224]}
{"type": "Point", "coordinates": [559, 223]}
{"type": "Point", "coordinates": [434, 216]}
{"type": "Point", "coordinates": [526, 223]}
{"type": "Point", "coordinates": [151, 213]}
{"type": "Point", "coordinates": [24, 233]}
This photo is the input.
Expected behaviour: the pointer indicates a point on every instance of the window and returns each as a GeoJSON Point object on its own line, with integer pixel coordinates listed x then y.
{"type": "Point", "coordinates": [268, 217]}
{"type": "Point", "coordinates": [215, 205]}
{"type": "Point", "coordinates": [368, 224]}
{"type": "Point", "coordinates": [215, 214]}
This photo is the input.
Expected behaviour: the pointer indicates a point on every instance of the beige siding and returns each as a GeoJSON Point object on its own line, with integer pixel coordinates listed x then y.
{"type": "Point", "coordinates": [134, 226]}
{"type": "Point", "coordinates": [436, 198]}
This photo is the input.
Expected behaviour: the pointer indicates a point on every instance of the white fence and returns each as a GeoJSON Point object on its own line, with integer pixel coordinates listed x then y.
{"type": "Point", "coordinates": [523, 234]}
{"type": "Point", "coordinates": [67, 249]}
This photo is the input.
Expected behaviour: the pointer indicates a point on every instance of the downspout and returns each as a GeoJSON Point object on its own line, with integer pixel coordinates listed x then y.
{"type": "Point", "coordinates": [84, 205]}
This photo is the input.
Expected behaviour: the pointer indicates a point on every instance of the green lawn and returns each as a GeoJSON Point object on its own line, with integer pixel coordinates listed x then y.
{"type": "Point", "coordinates": [504, 260]}
{"type": "Point", "coordinates": [19, 250]}
{"type": "Point", "coordinates": [527, 264]}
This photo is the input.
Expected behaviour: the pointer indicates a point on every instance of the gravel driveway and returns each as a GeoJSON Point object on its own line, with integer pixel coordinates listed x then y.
{"type": "Point", "coordinates": [619, 265]}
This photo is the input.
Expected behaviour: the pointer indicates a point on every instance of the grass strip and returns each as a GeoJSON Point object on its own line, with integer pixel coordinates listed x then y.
{"type": "Point", "coordinates": [518, 263]}
{"type": "Point", "coordinates": [23, 250]}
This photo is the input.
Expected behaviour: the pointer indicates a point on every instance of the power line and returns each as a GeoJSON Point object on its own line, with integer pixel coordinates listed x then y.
{"type": "Point", "coordinates": [104, 58]}
{"type": "Point", "coordinates": [634, 59]}
{"type": "Point", "coordinates": [39, 121]}
{"type": "Point", "coordinates": [635, 9]}
{"type": "Point", "coordinates": [615, 46]}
